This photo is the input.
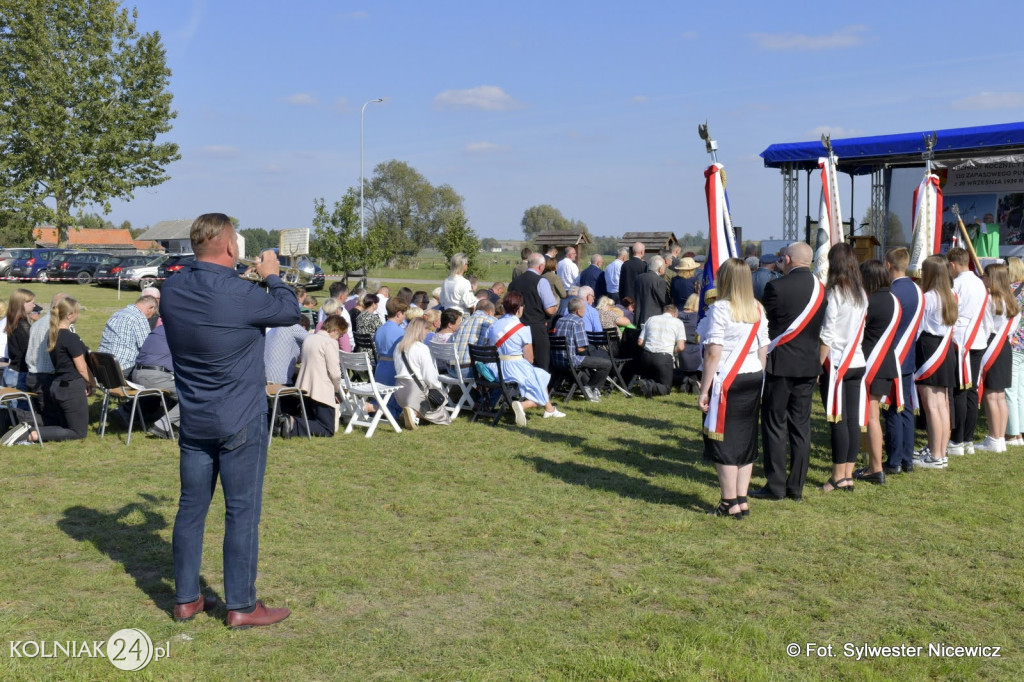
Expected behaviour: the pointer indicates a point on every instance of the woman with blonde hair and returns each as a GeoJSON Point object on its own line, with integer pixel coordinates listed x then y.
{"type": "Point", "coordinates": [611, 316]}
{"type": "Point", "coordinates": [1015, 393]}
{"type": "Point", "coordinates": [936, 360]}
{"type": "Point", "coordinates": [997, 364]}
{"type": "Point", "coordinates": [415, 375]}
{"type": "Point", "coordinates": [432, 318]}
{"type": "Point", "coordinates": [735, 349]}
{"type": "Point", "coordinates": [456, 291]}
{"type": "Point", "coordinates": [20, 305]}
{"type": "Point", "coordinates": [67, 406]}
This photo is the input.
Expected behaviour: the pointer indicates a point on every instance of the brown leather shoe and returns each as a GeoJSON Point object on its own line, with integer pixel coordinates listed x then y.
{"type": "Point", "coordinates": [238, 620]}
{"type": "Point", "coordinates": [184, 612]}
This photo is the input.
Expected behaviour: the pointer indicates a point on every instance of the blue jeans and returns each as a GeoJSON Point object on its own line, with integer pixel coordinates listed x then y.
{"type": "Point", "coordinates": [241, 461]}
{"type": "Point", "coordinates": [18, 380]}
{"type": "Point", "coordinates": [899, 429]}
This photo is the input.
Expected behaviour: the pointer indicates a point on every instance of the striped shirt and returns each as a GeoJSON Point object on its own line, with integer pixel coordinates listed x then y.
{"type": "Point", "coordinates": [571, 328]}
{"type": "Point", "coordinates": [471, 331]}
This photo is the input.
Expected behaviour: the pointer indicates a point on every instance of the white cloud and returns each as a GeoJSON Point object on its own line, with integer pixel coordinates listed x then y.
{"type": "Point", "coordinates": [984, 101]}
{"type": "Point", "coordinates": [848, 36]}
{"type": "Point", "coordinates": [640, 99]}
{"type": "Point", "coordinates": [341, 105]}
{"type": "Point", "coordinates": [688, 35]}
{"type": "Point", "coordinates": [481, 147]}
{"type": "Point", "coordinates": [194, 20]}
{"type": "Point", "coordinates": [833, 131]}
{"type": "Point", "coordinates": [300, 99]}
{"type": "Point", "coordinates": [483, 97]}
{"type": "Point", "coordinates": [219, 151]}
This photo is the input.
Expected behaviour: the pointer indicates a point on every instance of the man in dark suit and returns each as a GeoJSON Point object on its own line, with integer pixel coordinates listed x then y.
{"type": "Point", "coordinates": [791, 373]}
{"type": "Point", "coordinates": [632, 269]}
{"type": "Point", "coordinates": [651, 294]}
{"type": "Point", "coordinates": [593, 274]}
{"type": "Point", "coordinates": [899, 424]}
{"type": "Point", "coordinates": [539, 304]}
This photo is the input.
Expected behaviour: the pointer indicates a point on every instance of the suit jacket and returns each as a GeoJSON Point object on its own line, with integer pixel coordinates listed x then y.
{"type": "Point", "coordinates": [631, 269]}
{"type": "Point", "coordinates": [904, 291]}
{"type": "Point", "coordinates": [784, 300]}
{"type": "Point", "coordinates": [320, 374]}
{"type": "Point", "coordinates": [589, 277]}
{"type": "Point", "coordinates": [651, 295]}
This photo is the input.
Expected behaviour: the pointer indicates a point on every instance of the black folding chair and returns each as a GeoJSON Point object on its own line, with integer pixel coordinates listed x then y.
{"type": "Point", "coordinates": [112, 383]}
{"type": "Point", "coordinates": [497, 394]}
{"type": "Point", "coordinates": [366, 344]}
{"type": "Point", "coordinates": [608, 341]}
{"type": "Point", "coordinates": [565, 378]}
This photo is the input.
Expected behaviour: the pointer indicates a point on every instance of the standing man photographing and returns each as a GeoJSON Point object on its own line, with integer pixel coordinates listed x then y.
{"type": "Point", "coordinates": [215, 324]}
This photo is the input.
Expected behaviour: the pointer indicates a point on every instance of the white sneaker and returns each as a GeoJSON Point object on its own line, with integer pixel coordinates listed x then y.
{"type": "Point", "coordinates": [922, 453]}
{"type": "Point", "coordinates": [554, 414]}
{"type": "Point", "coordinates": [17, 433]}
{"type": "Point", "coordinates": [955, 449]}
{"type": "Point", "coordinates": [991, 444]}
{"type": "Point", "coordinates": [1015, 441]}
{"type": "Point", "coordinates": [968, 448]}
{"type": "Point", "coordinates": [930, 462]}
{"type": "Point", "coordinates": [517, 409]}
{"type": "Point", "coordinates": [409, 418]}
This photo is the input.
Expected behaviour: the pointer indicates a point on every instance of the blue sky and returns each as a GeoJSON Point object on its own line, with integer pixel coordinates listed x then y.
{"type": "Point", "coordinates": [589, 106]}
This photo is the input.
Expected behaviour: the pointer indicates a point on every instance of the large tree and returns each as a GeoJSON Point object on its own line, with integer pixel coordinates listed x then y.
{"type": "Point", "coordinates": [84, 99]}
{"type": "Point", "coordinates": [404, 212]}
{"type": "Point", "coordinates": [545, 217]}
{"type": "Point", "coordinates": [457, 236]}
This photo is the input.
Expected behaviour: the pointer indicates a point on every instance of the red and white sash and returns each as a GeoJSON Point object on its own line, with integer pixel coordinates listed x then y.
{"type": "Point", "coordinates": [929, 366]}
{"type": "Point", "coordinates": [877, 357]}
{"type": "Point", "coordinates": [901, 349]}
{"type": "Point", "coordinates": [836, 373]}
{"type": "Point", "coordinates": [805, 316]}
{"type": "Point", "coordinates": [993, 350]}
{"type": "Point", "coordinates": [714, 422]}
{"type": "Point", "coordinates": [964, 349]}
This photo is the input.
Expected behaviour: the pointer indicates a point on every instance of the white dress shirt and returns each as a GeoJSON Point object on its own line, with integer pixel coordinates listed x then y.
{"type": "Point", "coordinates": [722, 330]}
{"type": "Point", "coordinates": [569, 273]}
{"type": "Point", "coordinates": [970, 291]}
{"type": "Point", "coordinates": [456, 292]}
{"type": "Point", "coordinates": [611, 276]}
{"type": "Point", "coordinates": [843, 318]}
{"type": "Point", "coordinates": [931, 321]}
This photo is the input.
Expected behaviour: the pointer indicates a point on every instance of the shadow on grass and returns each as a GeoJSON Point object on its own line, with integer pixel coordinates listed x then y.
{"type": "Point", "coordinates": [130, 537]}
{"type": "Point", "coordinates": [627, 486]}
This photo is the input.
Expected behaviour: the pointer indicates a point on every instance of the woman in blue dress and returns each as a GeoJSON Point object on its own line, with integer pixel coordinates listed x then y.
{"type": "Point", "coordinates": [515, 350]}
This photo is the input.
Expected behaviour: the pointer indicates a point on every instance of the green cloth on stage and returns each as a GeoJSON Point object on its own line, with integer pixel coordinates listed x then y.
{"type": "Point", "coordinates": [986, 244]}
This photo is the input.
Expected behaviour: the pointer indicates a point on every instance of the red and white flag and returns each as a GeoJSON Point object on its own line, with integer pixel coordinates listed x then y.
{"type": "Point", "coordinates": [830, 216]}
{"type": "Point", "coordinates": [721, 236]}
{"type": "Point", "coordinates": [927, 217]}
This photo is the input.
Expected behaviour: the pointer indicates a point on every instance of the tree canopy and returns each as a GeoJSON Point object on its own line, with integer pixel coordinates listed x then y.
{"type": "Point", "coordinates": [457, 236]}
{"type": "Point", "coordinates": [85, 98]}
{"type": "Point", "coordinates": [544, 217]}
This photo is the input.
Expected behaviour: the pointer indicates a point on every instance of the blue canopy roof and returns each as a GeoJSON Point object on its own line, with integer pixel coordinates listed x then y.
{"type": "Point", "coordinates": [859, 155]}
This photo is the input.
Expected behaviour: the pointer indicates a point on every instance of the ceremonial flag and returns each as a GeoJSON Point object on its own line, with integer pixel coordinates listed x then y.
{"type": "Point", "coordinates": [830, 216]}
{"type": "Point", "coordinates": [927, 219]}
{"type": "Point", "coordinates": [721, 237]}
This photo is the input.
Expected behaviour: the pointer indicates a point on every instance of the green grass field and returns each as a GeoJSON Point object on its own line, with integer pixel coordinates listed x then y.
{"type": "Point", "coordinates": [573, 549]}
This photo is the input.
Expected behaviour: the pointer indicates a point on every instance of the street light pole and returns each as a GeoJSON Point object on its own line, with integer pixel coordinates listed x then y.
{"type": "Point", "coordinates": [362, 113]}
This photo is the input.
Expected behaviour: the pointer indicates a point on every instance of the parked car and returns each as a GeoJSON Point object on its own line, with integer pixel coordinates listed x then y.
{"type": "Point", "coordinates": [133, 271]}
{"type": "Point", "coordinates": [30, 263]}
{"type": "Point", "coordinates": [6, 258]}
{"type": "Point", "coordinates": [173, 265]}
{"type": "Point", "coordinates": [79, 266]}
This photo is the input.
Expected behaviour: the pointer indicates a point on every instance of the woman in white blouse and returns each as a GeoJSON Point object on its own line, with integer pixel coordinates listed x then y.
{"type": "Point", "coordinates": [735, 348]}
{"type": "Point", "coordinates": [843, 358]}
{"type": "Point", "coordinates": [456, 291]}
{"type": "Point", "coordinates": [415, 374]}
{"type": "Point", "coordinates": [1002, 309]}
{"type": "Point", "coordinates": [936, 360]}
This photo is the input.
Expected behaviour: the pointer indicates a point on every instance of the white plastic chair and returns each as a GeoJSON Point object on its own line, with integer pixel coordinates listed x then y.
{"type": "Point", "coordinates": [358, 392]}
{"type": "Point", "coordinates": [446, 353]}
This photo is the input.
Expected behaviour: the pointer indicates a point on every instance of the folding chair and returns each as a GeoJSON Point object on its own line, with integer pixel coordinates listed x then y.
{"type": "Point", "coordinates": [608, 341]}
{"type": "Point", "coordinates": [10, 396]}
{"type": "Point", "coordinates": [507, 391]}
{"type": "Point", "coordinates": [446, 353]}
{"type": "Point", "coordinates": [360, 391]}
{"type": "Point", "coordinates": [275, 392]}
{"type": "Point", "coordinates": [112, 383]}
{"type": "Point", "coordinates": [563, 372]}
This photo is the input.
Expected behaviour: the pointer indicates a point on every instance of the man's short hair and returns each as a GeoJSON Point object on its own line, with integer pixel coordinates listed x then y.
{"type": "Point", "coordinates": [535, 260]}
{"type": "Point", "coordinates": [898, 258]}
{"type": "Point", "coordinates": [147, 300]}
{"type": "Point", "coordinates": [623, 251]}
{"type": "Point", "coordinates": [670, 309]}
{"type": "Point", "coordinates": [576, 305]}
{"type": "Point", "coordinates": [485, 305]}
{"type": "Point", "coordinates": [395, 306]}
{"type": "Point", "coordinates": [596, 258]}
{"type": "Point", "coordinates": [207, 228]}
{"type": "Point", "coordinates": [958, 256]}
{"type": "Point", "coordinates": [657, 263]}
{"type": "Point", "coordinates": [337, 289]}
{"type": "Point", "coordinates": [585, 291]}
{"type": "Point", "coordinates": [525, 253]}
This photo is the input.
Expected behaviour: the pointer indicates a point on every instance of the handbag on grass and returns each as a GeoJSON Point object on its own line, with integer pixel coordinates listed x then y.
{"type": "Point", "coordinates": [435, 397]}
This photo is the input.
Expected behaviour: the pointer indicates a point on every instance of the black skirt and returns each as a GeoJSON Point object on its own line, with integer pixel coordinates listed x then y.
{"type": "Point", "coordinates": [739, 447]}
{"type": "Point", "coordinates": [999, 376]}
{"type": "Point", "coordinates": [945, 374]}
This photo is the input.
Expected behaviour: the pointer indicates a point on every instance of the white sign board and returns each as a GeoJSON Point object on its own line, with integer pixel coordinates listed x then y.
{"type": "Point", "coordinates": [294, 242]}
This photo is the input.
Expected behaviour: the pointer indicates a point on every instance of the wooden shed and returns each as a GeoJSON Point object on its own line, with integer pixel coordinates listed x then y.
{"type": "Point", "coordinates": [561, 239]}
{"type": "Point", "coordinates": [654, 242]}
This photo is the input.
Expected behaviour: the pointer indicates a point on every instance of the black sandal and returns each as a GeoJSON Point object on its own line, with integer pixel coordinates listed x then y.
{"type": "Point", "coordinates": [723, 509]}
{"type": "Point", "coordinates": [844, 488]}
{"type": "Point", "coordinates": [741, 500]}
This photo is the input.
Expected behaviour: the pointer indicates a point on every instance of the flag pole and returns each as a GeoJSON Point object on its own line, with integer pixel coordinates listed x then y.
{"type": "Point", "coordinates": [967, 239]}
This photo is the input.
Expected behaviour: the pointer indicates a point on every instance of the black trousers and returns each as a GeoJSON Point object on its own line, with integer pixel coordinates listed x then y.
{"type": "Point", "coordinates": [67, 412]}
{"type": "Point", "coordinates": [541, 346]}
{"type": "Point", "coordinates": [845, 434]}
{"type": "Point", "coordinates": [321, 419]}
{"type": "Point", "coordinates": [964, 418]}
{"type": "Point", "coordinates": [597, 366]}
{"type": "Point", "coordinates": [658, 367]}
{"type": "Point", "coordinates": [39, 384]}
{"type": "Point", "coordinates": [786, 426]}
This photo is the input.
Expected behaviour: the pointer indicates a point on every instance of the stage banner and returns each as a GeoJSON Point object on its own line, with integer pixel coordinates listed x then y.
{"type": "Point", "coordinates": [991, 201]}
